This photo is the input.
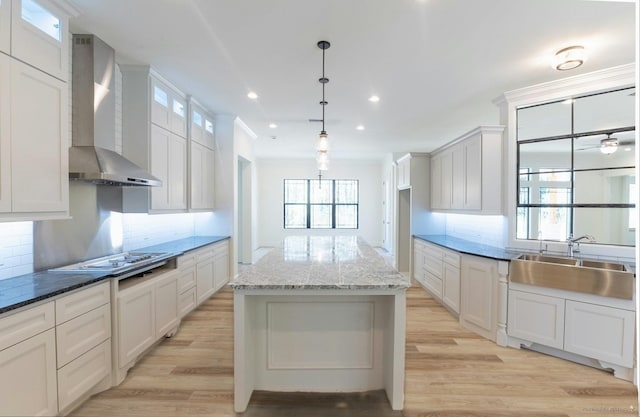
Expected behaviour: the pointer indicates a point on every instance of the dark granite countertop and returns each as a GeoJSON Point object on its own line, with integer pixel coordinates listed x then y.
{"type": "Point", "coordinates": [31, 288]}
{"type": "Point", "coordinates": [184, 245]}
{"type": "Point", "coordinates": [469, 247]}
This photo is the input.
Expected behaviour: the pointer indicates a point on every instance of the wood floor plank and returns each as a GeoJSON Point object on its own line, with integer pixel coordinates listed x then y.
{"type": "Point", "coordinates": [450, 372]}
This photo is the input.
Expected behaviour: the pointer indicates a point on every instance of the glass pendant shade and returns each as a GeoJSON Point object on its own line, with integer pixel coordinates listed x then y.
{"type": "Point", "coordinates": [323, 166]}
{"type": "Point", "coordinates": [323, 156]}
{"type": "Point", "coordinates": [323, 142]}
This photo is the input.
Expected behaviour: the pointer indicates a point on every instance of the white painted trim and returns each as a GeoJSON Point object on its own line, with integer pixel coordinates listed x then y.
{"type": "Point", "coordinates": [238, 121]}
{"type": "Point", "coordinates": [607, 79]}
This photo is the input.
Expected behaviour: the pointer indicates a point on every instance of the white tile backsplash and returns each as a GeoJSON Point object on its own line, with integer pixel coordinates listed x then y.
{"type": "Point", "coordinates": [140, 230]}
{"type": "Point", "coordinates": [16, 249]}
{"type": "Point", "coordinates": [488, 230]}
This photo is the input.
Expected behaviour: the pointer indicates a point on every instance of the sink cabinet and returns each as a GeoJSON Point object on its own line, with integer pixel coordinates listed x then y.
{"type": "Point", "coordinates": [537, 318]}
{"type": "Point", "coordinates": [593, 327]}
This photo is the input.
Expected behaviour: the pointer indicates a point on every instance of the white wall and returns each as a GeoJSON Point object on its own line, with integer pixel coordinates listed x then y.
{"type": "Point", "coordinates": [272, 173]}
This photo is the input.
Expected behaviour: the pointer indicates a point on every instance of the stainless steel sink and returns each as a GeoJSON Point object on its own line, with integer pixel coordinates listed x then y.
{"type": "Point", "coordinates": [549, 259]}
{"type": "Point", "coordinates": [609, 279]}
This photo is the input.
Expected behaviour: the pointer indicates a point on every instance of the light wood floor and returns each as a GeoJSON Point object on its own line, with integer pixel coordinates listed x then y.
{"type": "Point", "coordinates": [450, 372]}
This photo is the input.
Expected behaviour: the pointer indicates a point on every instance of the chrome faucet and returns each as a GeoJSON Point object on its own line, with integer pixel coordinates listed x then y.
{"type": "Point", "coordinates": [571, 241]}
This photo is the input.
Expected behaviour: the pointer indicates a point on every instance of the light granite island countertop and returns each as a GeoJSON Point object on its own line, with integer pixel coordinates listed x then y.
{"type": "Point", "coordinates": [319, 314]}
{"type": "Point", "coordinates": [321, 263]}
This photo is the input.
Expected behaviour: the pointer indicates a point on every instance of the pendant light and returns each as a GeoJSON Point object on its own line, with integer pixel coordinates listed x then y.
{"type": "Point", "coordinates": [322, 145]}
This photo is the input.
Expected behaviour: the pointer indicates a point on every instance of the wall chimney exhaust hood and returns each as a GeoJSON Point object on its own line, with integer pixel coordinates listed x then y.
{"type": "Point", "coordinates": [92, 156]}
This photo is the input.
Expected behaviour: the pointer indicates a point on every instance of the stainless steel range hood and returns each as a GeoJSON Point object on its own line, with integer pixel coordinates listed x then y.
{"type": "Point", "coordinates": [92, 156]}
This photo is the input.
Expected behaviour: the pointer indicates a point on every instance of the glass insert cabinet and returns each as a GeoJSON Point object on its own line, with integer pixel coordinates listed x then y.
{"type": "Point", "coordinates": [576, 168]}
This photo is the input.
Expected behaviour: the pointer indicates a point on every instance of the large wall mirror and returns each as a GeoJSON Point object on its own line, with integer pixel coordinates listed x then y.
{"type": "Point", "coordinates": [576, 164]}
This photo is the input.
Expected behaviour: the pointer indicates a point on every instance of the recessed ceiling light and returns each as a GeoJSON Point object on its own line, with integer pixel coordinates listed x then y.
{"type": "Point", "coordinates": [273, 125]}
{"type": "Point", "coordinates": [252, 95]}
{"type": "Point", "coordinates": [374, 99]}
{"type": "Point", "coordinates": [359, 127]}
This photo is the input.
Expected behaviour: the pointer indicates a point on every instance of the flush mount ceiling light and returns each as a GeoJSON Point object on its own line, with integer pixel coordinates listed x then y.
{"type": "Point", "coordinates": [272, 125]}
{"type": "Point", "coordinates": [252, 95]}
{"type": "Point", "coordinates": [322, 145]}
{"type": "Point", "coordinates": [569, 58]}
{"type": "Point", "coordinates": [608, 145]}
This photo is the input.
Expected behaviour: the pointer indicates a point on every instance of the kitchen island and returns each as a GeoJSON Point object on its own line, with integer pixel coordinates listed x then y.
{"type": "Point", "coordinates": [319, 314]}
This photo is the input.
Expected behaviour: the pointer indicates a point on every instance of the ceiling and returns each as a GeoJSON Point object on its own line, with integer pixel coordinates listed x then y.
{"type": "Point", "coordinates": [435, 64]}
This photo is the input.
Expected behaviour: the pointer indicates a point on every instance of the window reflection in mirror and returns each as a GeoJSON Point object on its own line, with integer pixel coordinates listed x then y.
{"type": "Point", "coordinates": [543, 121]}
{"type": "Point", "coordinates": [604, 111]}
{"type": "Point", "coordinates": [576, 161]}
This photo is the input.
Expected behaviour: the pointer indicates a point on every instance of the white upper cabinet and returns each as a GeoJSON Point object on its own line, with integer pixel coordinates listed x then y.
{"type": "Point", "coordinates": [154, 127]}
{"type": "Point", "coordinates": [168, 163]}
{"type": "Point", "coordinates": [5, 132]}
{"type": "Point", "coordinates": [39, 133]}
{"type": "Point", "coordinates": [34, 114]}
{"type": "Point", "coordinates": [5, 26]}
{"type": "Point", "coordinates": [466, 175]}
{"type": "Point", "coordinates": [201, 125]}
{"type": "Point", "coordinates": [40, 34]}
{"type": "Point", "coordinates": [410, 170]}
{"type": "Point", "coordinates": [201, 158]}
{"type": "Point", "coordinates": [33, 143]}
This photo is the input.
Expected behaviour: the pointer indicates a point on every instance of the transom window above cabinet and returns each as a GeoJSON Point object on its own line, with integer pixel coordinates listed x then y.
{"type": "Point", "coordinates": [197, 118]}
{"type": "Point", "coordinates": [160, 96]}
{"type": "Point", "coordinates": [36, 14]}
{"type": "Point", "coordinates": [169, 108]}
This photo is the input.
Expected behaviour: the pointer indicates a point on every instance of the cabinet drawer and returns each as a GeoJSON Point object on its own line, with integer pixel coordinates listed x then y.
{"type": "Point", "coordinates": [451, 258]}
{"type": "Point", "coordinates": [433, 264]}
{"type": "Point", "coordinates": [186, 279]}
{"type": "Point", "coordinates": [79, 335]}
{"type": "Point", "coordinates": [220, 249]}
{"type": "Point", "coordinates": [77, 377]}
{"type": "Point", "coordinates": [25, 324]}
{"type": "Point", "coordinates": [187, 260]}
{"type": "Point", "coordinates": [204, 253]}
{"type": "Point", "coordinates": [81, 302]}
{"type": "Point", "coordinates": [187, 301]}
{"type": "Point", "coordinates": [433, 284]}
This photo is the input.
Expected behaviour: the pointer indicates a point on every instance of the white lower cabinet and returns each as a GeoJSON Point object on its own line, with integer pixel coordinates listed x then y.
{"type": "Point", "coordinates": [438, 270]}
{"type": "Point", "coordinates": [536, 318]}
{"type": "Point", "coordinates": [577, 323]}
{"type": "Point", "coordinates": [88, 370]}
{"type": "Point", "coordinates": [31, 389]}
{"type": "Point", "coordinates": [83, 342]}
{"type": "Point", "coordinates": [166, 300]}
{"type": "Point", "coordinates": [136, 322]}
{"type": "Point", "coordinates": [600, 332]}
{"type": "Point", "coordinates": [478, 298]}
{"type": "Point", "coordinates": [212, 269]}
{"type": "Point", "coordinates": [451, 286]}
{"type": "Point", "coordinates": [147, 311]}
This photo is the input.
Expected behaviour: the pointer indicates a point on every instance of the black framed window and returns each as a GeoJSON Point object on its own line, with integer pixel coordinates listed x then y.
{"type": "Point", "coordinates": [321, 204]}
